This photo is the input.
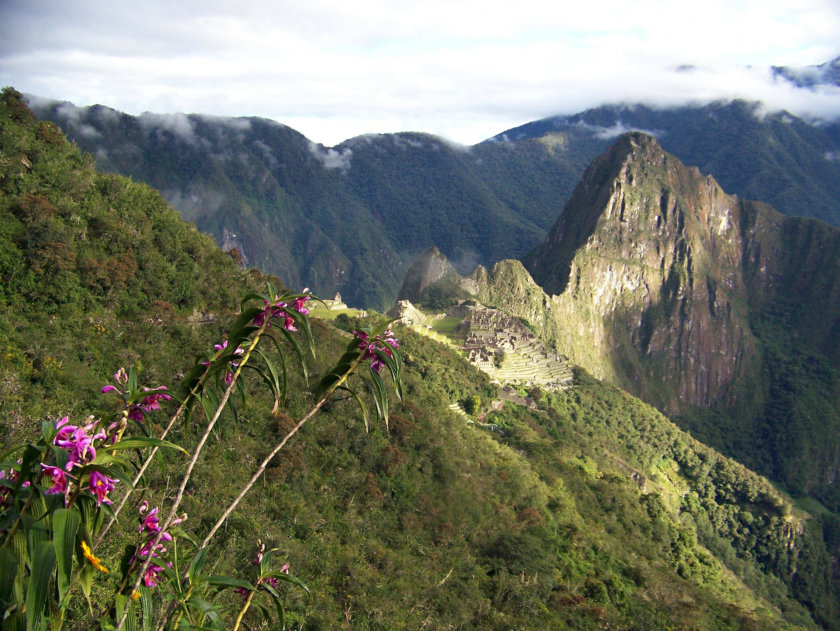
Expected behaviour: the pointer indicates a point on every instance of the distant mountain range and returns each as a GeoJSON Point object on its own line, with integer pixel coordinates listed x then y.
{"type": "Point", "coordinates": [827, 74]}
{"type": "Point", "coordinates": [351, 218]}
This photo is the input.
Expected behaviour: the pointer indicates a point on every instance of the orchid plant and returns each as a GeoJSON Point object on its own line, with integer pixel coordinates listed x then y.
{"type": "Point", "coordinates": [60, 495]}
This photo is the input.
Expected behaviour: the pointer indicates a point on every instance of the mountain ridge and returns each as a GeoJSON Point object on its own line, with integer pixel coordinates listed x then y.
{"type": "Point", "coordinates": [286, 198]}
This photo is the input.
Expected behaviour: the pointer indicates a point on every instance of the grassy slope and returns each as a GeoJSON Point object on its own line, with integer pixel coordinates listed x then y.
{"type": "Point", "coordinates": [435, 523]}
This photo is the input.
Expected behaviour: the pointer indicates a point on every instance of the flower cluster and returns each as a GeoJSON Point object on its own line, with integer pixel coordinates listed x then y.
{"type": "Point", "coordinates": [265, 580]}
{"type": "Point", "coordinates": [384, 342]}
{"type": "Point", "coordinates": [79, 443]}
{"type": "Point", "coordinates": [221, 347]}
{"type": "Point", "coordinates": [136, 410]}
{"type": "Point", "coordinates": [149, 529]}
{"type": "Point", "coordinates": [279, 309]}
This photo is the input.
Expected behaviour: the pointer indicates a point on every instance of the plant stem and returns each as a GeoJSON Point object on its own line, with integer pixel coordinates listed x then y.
{"type": "Point", "coordinates": [244, 610]}
{"type": "Point", "coordinates": [191, 465]}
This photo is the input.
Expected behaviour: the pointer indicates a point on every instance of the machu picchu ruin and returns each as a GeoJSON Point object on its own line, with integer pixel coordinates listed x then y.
{"type": "Point", "coordinates": [498, 344]}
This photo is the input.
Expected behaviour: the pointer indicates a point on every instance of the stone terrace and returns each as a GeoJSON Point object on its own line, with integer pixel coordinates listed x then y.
{"type": "Point", "coordinates": [525, 359]}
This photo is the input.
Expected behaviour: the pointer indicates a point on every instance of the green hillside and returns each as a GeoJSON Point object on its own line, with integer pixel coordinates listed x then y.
{"type": "Point", "coordinates": [592, 511]}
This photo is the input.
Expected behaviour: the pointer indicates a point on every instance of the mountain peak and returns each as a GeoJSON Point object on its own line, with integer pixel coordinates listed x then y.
{"type": "Point", "coordinates": [550, 261]}
{"type": "Point", "coordinates": [430, 268]}
{"type": "Point", "coordinates": [652, 250]}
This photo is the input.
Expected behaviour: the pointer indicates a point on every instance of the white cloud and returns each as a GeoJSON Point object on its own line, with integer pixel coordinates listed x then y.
{"type": "Point", "coordinates": [330, 158]}
{"type": "Point", "coordinates": [463, 69]}
{"type": "Point", "coordinates": [178, 124]}
{"type": "Point", "coordinates": [607, 133]}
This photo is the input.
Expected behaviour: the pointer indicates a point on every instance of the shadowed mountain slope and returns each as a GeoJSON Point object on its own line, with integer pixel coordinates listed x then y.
{"type": "Point", "coordinates": [352, 218]}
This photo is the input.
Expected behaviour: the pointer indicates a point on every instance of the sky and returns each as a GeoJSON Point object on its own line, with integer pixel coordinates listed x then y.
{"type": "Point", "coordinates": [462, 69]}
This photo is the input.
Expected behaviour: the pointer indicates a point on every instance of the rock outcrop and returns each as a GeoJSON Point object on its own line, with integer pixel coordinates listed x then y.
{"type": "Point", "coordinates": [646, 263]}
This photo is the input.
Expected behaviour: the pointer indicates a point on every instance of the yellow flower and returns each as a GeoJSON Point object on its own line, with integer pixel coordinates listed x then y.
{"type": "Point", "coordinates": [135, 594]}
{"type": "Point", "coordinates": [93, 560]}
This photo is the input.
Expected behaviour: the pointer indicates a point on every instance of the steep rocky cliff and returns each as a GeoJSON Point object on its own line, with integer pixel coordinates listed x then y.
{"type": "Point", "coordinates": [646, 261]}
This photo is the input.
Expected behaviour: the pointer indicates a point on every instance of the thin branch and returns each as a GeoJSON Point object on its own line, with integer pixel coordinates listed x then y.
{"type": "Point", "coordinates": [276, 450]}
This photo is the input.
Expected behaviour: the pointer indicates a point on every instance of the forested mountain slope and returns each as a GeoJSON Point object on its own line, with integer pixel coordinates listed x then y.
{"type": "Point", "coordinates": [351, 218]}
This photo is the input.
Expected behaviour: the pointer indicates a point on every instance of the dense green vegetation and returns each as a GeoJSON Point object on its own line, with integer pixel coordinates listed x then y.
{"type": "Point", "coordinates": [593, 511]}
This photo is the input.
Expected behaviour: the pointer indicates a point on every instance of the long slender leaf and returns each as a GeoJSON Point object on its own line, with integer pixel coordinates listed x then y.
{"type": "Point", "coordinates": [86, 583]}
{"type": "Point", "coordinates": [271, 382]}
{"type": "Point", "coordinates": [242, 327]}
{"type": "Point", "coordinates": [132, 378]}
{"type": "Point", "coordinates": [123, 602]}
{"type": "Point", "coordinates": [209, 401]}
{"type": "Point", "coordinates": [289, 578]}
{"type": "Point", "coordinates": [8, 572]}
{"type": "Point", "coordinates": [381, 394]}
{"type": "Point", "coordinates": [299, 352]}
{"type": "Point", "coordinates": [65, 525]}
{"type": "Point", "coordinates": [139, 442]}
{"type": "Point", "coordinates": [278, 604]}
{"type": "Point", "coordinates": [146, 607]}
{"type": "Point", "coordinates": [325, 384]}
{"type": "Point", "coordinates": [374, 395]}
{"type": "Point", "coordinates": [43, 565]}
{"type": "Point", "coordinates": [284, 380]}
{"type": "Point", "coordinates": [196, 564]}
{"type": "Point", "coordinates": [21, 552]}
{"type": "Point", "coordinates": [362, 406]}
{"type": "Point", "coordinates": [393, 365]}
{"type": "Point", "coordinates": [228, 581]}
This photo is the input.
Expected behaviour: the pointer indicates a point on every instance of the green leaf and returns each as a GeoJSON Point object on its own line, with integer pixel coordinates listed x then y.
{"type": "Point", "coordinates": [196, 564]}
{"type": "Point", "coordinates": [85, 579]}
{"type": "Point", "coordinates": [65, 524]}
{"type": "Point", "coordinates": [139, 442]}
{"type": "Point", "coordinates": [282, 379]}
{"type": "Point", "coordinates": [278, 604]}
{"type": "Point", "coordinates": [228, 581]}
{"type": "Point", "coordinates": [299, 352]}
{"type": "Point", "coordinates": [124, 602]}
{"type": "Point", "coordinates": [325, 384]}
{"type": "Point", "coordinates": [8, 571]}
{"type": "Point", "coordinates": [146, 607]}
{"type": "Point", "coordinates": [43, 565]}
{"type": "Point", "coordinates": [210, 402]}
{"type": "Point", "coordinates": [379, 394]}
{"type": "Point", "coordinates": [270, 381]}
{"type": "Point", "coordinates": [242, 327]}
{"type": "Point", "coordinates": [289, 578]}
{"type": "Point", "coordinates": [210, 617]}
{"type": "Point", "coordinates": [362, 406]}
